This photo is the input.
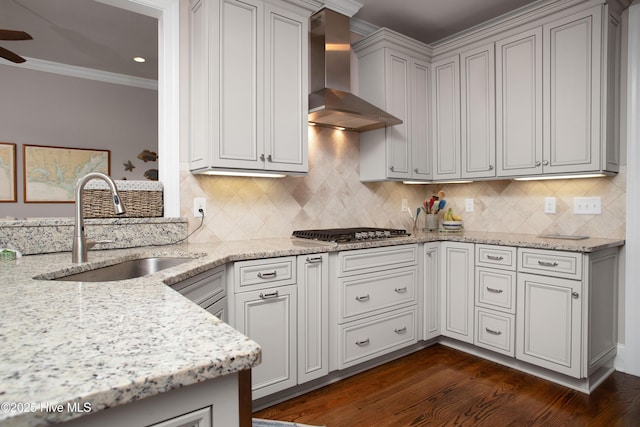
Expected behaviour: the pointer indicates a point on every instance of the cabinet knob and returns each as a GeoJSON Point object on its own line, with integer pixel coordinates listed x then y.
{"type": "Point", "coordinates": [575, 295]}
{"type": "Point", "coordinates": [538, 163]}
{"type": "Point", "coordinates": [262, 157]}
{"type": "Point", "coordinates": [545, 162]}
{"type": "Point", "coordinates": [391, 168]}
{"type": "Point", "coordinates": [416, 170]}
{"type": "Point", "coordinates": [269, 158]}
{"type": "Point", "coordinates": [490, 167]}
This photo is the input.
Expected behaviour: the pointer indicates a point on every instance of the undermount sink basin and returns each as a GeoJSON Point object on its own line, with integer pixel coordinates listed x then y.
{"type": "Point", "coordinates": [125, 270]}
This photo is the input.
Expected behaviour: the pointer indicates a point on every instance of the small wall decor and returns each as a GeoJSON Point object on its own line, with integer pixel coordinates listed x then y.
{"type": "Point", "coordinates": [151, 174]}
{"type": "Point", "coordinates": [148, 156]}
{"type": "Point", "coordinates": [50, 173]}
{"type": "Point", "coordinates": [129, 167]}
{"type": "Point", "coordinates": [8, 176]}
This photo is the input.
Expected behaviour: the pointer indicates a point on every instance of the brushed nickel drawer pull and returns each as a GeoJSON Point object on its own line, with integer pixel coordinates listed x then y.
{"type": "Point", "coordinates": [401, 290]}
{"type": "Point", "coordinates": [273, 294]}
{"type": "Point", "coordinates": [400, 330]}
{"type": "Point", "coordinates": [363, 342]}
{"type": "Point", "coordinates": [267, 275]}
{"type": "Point", "coordinates": [548, 264]}
{"type": "Point", "coordinates": [495, 258]}
{"type": "Point", "coordinates": [491, 331]}
{"type": "Point", "coordinates": [362, 298]}
{"type": "Point", "coordinates": [495, 291]}
{"type": "Point", "coordinates": [314, 259]}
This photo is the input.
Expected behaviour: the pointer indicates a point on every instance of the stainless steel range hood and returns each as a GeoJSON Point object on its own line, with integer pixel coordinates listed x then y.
{"type": "Point", "coordinates": [331, 102]}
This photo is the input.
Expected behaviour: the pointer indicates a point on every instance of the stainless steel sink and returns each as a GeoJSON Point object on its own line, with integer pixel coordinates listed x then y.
{"type": "Point", "coordinates": [563, 236]}
{"type": "Point", "coordinates": [126, 270]}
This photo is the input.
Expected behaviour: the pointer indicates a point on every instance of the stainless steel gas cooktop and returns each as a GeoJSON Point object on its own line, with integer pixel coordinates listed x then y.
{"type": "Point", "coordinates": [342, 235]}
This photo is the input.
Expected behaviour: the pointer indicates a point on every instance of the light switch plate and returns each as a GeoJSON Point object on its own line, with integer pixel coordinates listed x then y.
{"type": "Point", "coordinates": [468, 205]}
{"type": "Point", "coordinates": [587, 205]}
{"type": "Point", "coordinates": [550, 205]}
{"type": "Point", "coordinates": [405, 205]}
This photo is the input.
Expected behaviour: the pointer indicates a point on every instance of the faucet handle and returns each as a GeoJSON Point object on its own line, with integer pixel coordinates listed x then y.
{"type": "Point", "coordinates": [91, 243]}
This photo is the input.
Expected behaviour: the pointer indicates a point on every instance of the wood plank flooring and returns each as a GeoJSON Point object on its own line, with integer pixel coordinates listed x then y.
{"type": "Point", "coordinates": [442, 386]}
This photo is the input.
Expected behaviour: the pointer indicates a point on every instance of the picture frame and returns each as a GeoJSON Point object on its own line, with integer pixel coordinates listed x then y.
{"type": "Point", "coordinates": [50, 173]}
{"type": "Point", "coordinates": [8, 173]}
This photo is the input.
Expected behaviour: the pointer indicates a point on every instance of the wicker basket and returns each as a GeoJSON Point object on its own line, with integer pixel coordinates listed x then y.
{"type": "Point", "coordinates": [141, 199]}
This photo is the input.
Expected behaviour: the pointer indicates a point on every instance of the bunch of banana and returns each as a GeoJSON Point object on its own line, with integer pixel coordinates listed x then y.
{"type": "Point", "coordinates": [449, 215]}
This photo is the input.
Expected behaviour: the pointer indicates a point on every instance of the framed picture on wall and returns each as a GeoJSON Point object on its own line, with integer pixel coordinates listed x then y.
{"type": "Point", "coordinates": [8, 176]}
{"type": "Point", "coordinates": [50, 173]}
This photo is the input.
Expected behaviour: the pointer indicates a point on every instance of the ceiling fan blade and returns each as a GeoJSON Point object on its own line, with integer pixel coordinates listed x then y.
{"type": "Point", "coordinates": [7, 54]}
{"type": "Point", "coordinates": [14, 35]}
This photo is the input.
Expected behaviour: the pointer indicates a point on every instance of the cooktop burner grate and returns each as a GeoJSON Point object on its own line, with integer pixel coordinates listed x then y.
{"type": "Point", "coordinates": [341, 235]}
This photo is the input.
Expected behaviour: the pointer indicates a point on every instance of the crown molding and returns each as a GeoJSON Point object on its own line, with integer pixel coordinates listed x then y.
{"type": "Point", "coordinates": [86, 73]}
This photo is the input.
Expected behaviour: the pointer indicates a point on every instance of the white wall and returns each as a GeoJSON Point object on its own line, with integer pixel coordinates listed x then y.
{"type": "Point", "coordinates": [40, 108]}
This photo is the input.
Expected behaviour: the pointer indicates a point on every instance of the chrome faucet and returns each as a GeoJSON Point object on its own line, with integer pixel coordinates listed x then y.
{"type": "Point", "coordinates": [80, 243]}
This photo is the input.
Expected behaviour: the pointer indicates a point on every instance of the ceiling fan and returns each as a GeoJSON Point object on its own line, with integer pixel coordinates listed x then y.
{"type": "Point", "coordinates": [12, 35]}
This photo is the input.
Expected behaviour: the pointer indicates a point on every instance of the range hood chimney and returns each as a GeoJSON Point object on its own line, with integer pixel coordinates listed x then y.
{"type": "Point", "coordinates": [331, 102]}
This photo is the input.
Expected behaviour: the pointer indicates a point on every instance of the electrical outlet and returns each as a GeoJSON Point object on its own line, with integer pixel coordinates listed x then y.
{"type": "Point", "coordinates": [405, 205]}
{"type": "Point", "coordinates": [587, 205]}
{"type": "Point", "coordinates": [199, 203]}
{"type": "Point", "coordinates": [550, 205]}
{"type": "Point", "coordinates": [468, 205]}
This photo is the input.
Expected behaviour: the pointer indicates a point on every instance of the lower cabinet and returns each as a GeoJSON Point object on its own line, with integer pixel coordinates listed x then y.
{"type": "Point", "coordinates": [457, 290]}
{"type": "Point", "coordinates": [431, 293]}
{"type": "Point", "coordinates": [282, 304]}
{"type": "Point", "coordinates": [208, 290]}
{"type": "Point", "coordinates": [376, 294]}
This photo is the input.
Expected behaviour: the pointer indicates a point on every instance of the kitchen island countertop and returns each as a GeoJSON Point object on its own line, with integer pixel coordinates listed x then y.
{"type": "Point", "coordinates": [110, 343]}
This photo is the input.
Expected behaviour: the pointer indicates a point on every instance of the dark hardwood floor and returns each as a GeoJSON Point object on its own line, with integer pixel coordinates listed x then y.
{"type": "Point", "coordinates": [443, 386]}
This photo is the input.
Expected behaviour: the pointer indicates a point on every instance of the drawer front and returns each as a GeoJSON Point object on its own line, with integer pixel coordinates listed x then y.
{"type": "Point", "coordinates": [496, 289]}
{"type": "Point", "coordinates": [551, 263]}
{"type": "Point", "coordinates": [368, 294]}
{"type": "Point", "coordinates": [496, 256]}
{"type": "Point", "coordinates": [376, 259]}
{"type": "Point", "coordinates": [219, 309]}
{"type": "Point", "coordinates": [373, 337]}
{"type": "Point", "coordinates": [204, 288]}
{"type": "Point", "coordinates": [258, 274]}
{"type": "Point", "coordinates": [495, 331]}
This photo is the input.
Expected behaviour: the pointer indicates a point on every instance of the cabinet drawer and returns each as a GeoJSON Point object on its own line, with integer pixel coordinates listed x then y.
{"type": "Point", "coordinates": [376, 259]}
{"type": "Point", "coordinates": [219, 309]}
{"type": "Point", "coordinates": [550, 263]}
{"type": "Point", "coordinates": [257, 274]}
{"type": "Point", "coordinates": [496, 289]}
{"type": "Point", "coordinates": [372, 337]}
{"type": "Point", "coordinates": [368, 294]}
{"type": "Point", "coordinates": [496, 256]}
{"type": "Point", "coordinates": [205, 288]}
{"type": "Point", "coordinates": [495, 331]}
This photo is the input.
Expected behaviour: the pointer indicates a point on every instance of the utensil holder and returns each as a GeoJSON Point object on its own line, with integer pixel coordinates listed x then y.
{"type": "Point", "coordinates": [431, 222]}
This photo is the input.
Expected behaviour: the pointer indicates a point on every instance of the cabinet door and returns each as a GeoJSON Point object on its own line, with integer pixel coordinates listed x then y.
{"type": "Point", "coordinates": [457, 291]}
{"type": "Point", "coordinates": [286, 91]}
{"type": "Point", "coordinates": [397, 97]}
{"type": "Point", "coordinates": [313, 317]}
{"type": "Point", "coordinates": [519, 104]}
{"type": "Point", "coordinates": [241, 93]}
{"type": "Point", "coordinates": [477, 89]}
{"type": "Point", "coordinates": [431, 301]}
{"type": "Point", "coordinates": [572, 57]}
{"type": "Point", "coordinates": [269, 317]}
{"type": "Point", "coordinates": [549, 323]}
{"type": "Point", "coordinates": [420, 139]}
{"type": "Point", "coordinates": [446, 118]}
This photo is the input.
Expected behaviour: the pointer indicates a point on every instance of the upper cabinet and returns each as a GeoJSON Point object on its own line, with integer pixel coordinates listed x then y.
{"type": "Point", "coordinates": [394, 74]}
{"type": "Point", "coordinates": [249, 86]}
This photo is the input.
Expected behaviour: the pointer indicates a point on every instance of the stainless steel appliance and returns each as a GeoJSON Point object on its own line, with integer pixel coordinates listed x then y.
{"type": "Point", "coordinates": [342, 235]}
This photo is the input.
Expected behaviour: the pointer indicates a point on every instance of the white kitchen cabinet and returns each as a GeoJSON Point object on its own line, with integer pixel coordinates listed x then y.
{"type": "Point", "coordinates": [477, 90]}
{"type": "Point", "coordinates": [519, 104]}
{"type": "Point", "coordinates": [394, 75]}
{"type": "Point", "coordinates": [375, 303]}
{"type": "Point", "coordinates": [557, 91]}
{"type": "Point", "coordinates": [313, 317]}
{"type": "Point", "coordinates": [566, 319]}
{"type": "Point", "coordinates": [457, 291]}
{"type": "Point", "coordinates": [208, 290]}
{"type": "Point", "coordinates": [445, 111]}
{"type": "Point", "coordinates": [431, 296]}
{"type": "Point", "coordinates": [269, 316]}
{"type": "Point", "coordinates": [249, 90]}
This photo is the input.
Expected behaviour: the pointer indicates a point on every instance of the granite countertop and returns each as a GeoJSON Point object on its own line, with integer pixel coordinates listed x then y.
{"type": "Point", "coordinates": [110, 343]}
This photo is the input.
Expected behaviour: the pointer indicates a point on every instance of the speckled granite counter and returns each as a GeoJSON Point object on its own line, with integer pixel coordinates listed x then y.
{"type": "Point", "coordinates": [108, 344]}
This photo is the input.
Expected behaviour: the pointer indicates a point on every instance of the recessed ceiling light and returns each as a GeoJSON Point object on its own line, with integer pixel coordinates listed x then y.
{"type": "Point", "coordinates": [139, 59]}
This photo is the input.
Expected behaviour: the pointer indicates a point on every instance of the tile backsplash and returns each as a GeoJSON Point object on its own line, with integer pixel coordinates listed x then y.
{"type": "Point", "coordinates": [331, 195]}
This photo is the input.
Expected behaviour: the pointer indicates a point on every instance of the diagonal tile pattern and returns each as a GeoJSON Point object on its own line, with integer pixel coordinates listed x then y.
{"type": "Point", "coordinates": [331, 195]}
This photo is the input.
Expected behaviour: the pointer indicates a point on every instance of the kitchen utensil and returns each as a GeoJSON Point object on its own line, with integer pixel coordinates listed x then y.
{"type": "Point", "coordinates": [441, 194]}
{"type": "Point", "coordinates": [441, 204]}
